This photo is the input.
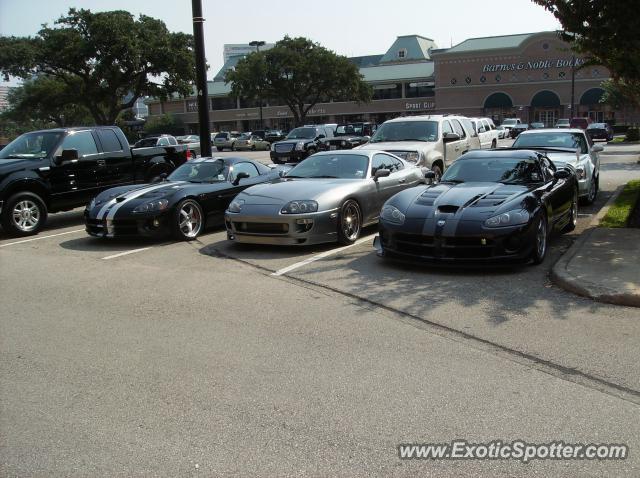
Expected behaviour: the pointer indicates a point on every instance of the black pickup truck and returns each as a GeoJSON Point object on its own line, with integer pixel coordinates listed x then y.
{"type": "Point", "coordinates": [56, 170]}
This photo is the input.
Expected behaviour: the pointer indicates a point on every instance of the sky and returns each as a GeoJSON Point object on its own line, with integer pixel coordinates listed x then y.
{"type": "Point", "coordinates": [348, 27]}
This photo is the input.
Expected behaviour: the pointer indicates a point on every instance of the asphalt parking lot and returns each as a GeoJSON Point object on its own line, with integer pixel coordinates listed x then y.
{"type": "Point", "coordinates": [212, 358]}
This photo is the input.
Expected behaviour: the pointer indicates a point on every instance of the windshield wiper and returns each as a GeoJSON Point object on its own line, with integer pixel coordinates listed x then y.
{"type": "Point", "coordinates": [455, 181]}
{"type": "Point", "coordinates": [324, 176]}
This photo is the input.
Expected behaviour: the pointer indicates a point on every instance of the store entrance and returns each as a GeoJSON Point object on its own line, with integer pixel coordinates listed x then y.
{"type": "Point", "coordinates": [548, 117]}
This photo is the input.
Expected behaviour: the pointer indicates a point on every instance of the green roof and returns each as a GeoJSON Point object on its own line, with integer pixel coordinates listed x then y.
{"type": "Point", "coordinates": [491, 43]}
{"type": "Point", "coordinates": [416, 48]}
{"type": "Point", "coordinates": [405, 71]}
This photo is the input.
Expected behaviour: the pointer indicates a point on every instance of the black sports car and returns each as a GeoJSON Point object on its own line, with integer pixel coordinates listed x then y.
{"type": "Point", "coordinates": [489, 206]}
{"type": "Point", "coordinates": [192, 197]}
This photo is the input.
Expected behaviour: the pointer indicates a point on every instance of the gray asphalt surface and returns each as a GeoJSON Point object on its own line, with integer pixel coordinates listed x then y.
{"type": "Point", "coordinates": [192, 360]}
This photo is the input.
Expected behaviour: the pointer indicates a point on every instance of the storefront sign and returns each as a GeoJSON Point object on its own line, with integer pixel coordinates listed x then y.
{"type": "Point", "coordinates": [533, 65]}
{"type": "Point", "coordinates": [421, 105]}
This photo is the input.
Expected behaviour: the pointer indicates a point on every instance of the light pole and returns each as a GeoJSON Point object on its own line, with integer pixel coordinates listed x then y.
{"type": "Point", "coordinates": [258, 44]}
{"type": "Point", "coordinates": [201, 79]}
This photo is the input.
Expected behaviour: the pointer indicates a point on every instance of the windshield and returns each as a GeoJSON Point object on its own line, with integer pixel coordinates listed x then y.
{"type": "Point", "coordinates": [146, 143]}
{"type": "Point", "coordinates": [494, 170]}
{"type": "Point", "coordinates": [552, 140]}
{"type": "Point", "coordinates": [302, 133]}
{"type": "Point", "coordinates": [508, 122]}
{"type": "Point", "coordinates": [31, 146]}
{"type": "Point", "coordinates": [244, 136]}
{"type": "Point", "coordinates": [341, 166]}
{"type": "Point", "coordinates": [221, 136]}
{"type": "Point", "coordinates": [407, 131]}
{"type": "Point", "coordinates": [207, 172]}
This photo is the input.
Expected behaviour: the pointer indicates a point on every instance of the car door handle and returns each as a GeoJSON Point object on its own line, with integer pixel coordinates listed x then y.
{"type": "Point", "coordinates": [102, 162]}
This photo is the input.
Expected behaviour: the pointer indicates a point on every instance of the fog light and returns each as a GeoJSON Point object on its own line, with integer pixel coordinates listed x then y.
{"type": "Point", "coordinates": [156, 223]}
{"type": "Point", "coordinates": [483, 241]}
{"type": "Point", "coordinates": [304, 221]}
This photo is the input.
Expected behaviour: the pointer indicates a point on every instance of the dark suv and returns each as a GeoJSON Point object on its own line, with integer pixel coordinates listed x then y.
{"type": "Point", "coordinates": [300, 143]}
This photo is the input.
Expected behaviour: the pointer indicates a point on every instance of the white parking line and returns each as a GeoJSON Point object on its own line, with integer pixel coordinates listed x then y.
{"type": "Point", "coordinates": [125, 253]}
{"type": "Point", "coordinates": [322, 255]}
{"type": "Point", "coordinates": [40, 238]}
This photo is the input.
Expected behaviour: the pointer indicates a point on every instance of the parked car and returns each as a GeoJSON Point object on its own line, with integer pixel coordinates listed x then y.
{"type": "Point", "coordinates": [348, 136]}
{"type": "Point", "coordinates": [252, 142]}
{"type": "Point", "coordinates": [191, 198]}
{"type": "Point", "coordinates": [487, 132]}
{"type": "Point", "coordinates": [328, 197]}
{"type": "Point", "coordinates": [536, 126]}
{"type": "Point", "coordinates": [299, 144]}
{"type": "Point", "coordinates": [47, 171]}
{"type": "Point", "coordinates": [502, 132]}
{"type": "Point", "coordinates": [225, 140]}
{"type": "Point", "coordinates": [580, 123]}
{"type": "Point", "coordinates": [154, 141]}
{"type": "Point", "coordinates": [193, 142]}
{"type": "Point", "coordinates": [432, 141]}
{"type": "Point", "coordinates": [274, 135]}
{"type": "Point", "coordinates": [487, 207]}
{"type": "Point", "coordinates": [563, 123]}
{"type": "Point", "coordinates": [509, 123]}
{"type": "Point", "coordinates": [568, 146]}
{"type": "Point", "coordinates": [515, 130]}
{"type": "Point", "coordinates": [600, 131]}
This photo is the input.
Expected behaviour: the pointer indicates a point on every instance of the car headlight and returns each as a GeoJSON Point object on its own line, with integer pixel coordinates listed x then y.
{"type": "Point", "coordinates": [343, 143]}
{"type": "Point", "coordinates": [581, 173]}
{"type": "Point", "coordinates": [392, 214]}
{"type": "Point", "coordinates": [157, 205]}
{"type": "Point", "coordinates": [413, 156]}
{"type": "Point", "coordinates": [510, 218]}
{"type": "Point", "coordinates": [273, 146]}
{"type": "Point", "coordinates": [299, 207]}
{"type": "Point", "coordinates": [300, 146]}
{"type": "Point", "coordinates": [236, 205]}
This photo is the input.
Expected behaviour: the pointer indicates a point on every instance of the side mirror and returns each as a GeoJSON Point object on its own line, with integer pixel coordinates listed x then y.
{"type": "Point", "coordinates": [241, 175]}
{"type": "Point", "coordinates": [161, 177]}
{"type": "Point", "coordinates": [562, 174]}
{"type": "Point", "coordinates": [381, 173]}
{"type": "Point", "coordinates": [449, 137]}
{"type": "Point", "coordinates": [67, 156]}
{"type": "Point", "coordinates": [597, 148]}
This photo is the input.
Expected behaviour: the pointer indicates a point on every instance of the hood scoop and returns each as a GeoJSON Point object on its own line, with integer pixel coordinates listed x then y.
{"type": "Point", "coordinates": [494, 199]}
{"type": "Point", "coordinates": [448, 209]}
{"type": "Point", "coordinates": [429, 197]}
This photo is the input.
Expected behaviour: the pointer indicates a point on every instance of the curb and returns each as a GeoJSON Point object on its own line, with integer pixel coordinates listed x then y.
{"type": "Point", "coordinates": [564, 279]}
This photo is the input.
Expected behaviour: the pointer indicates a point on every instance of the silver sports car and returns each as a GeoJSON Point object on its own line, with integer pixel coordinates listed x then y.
{"type": "Point", "coordinates": [328, 197]}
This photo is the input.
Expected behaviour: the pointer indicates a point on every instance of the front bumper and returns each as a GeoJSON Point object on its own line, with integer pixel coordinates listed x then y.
{"type": "Point", "coordinates": [285, 157]}
{"type": "Point", "coordinates": [469, 243]}
{"type": "Point", "coordinates": [147, 226]}
{"type": "Point", "coordinates": [282, 229]}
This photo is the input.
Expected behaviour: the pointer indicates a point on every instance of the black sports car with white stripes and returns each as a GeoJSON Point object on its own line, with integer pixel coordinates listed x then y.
{"type": "Point", "coordinates": [182, 205]}
{"type": "Point", "coordinates": [490, 205]}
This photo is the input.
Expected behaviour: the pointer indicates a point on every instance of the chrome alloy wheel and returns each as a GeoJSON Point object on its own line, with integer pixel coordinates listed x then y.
{"type": "Point", "coordinates": [190, 218]}
{"type": "Point", "coordinates": [541, 238]}
{"type": "Point", "coordinates": [593, 190]}
{"type": "Point", "coordinates": [26, 215]}
{"type": "Point", "coordinates": [351, 221]}
{"type": "Point", "coordinates": [574, 209]}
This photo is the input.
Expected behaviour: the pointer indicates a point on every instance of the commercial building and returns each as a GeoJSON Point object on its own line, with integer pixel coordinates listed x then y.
{"type": "Point", "coordinates": [240, 49]}
{"type": "Point", "coordinates": [533, 76]}
{"type": "Point", "coordinates": [4, 94]}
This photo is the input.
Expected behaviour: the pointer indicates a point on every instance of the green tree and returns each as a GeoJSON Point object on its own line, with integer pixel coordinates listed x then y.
{"type": "Point", "coordinates": [46, 99]}
{"type": "Point", "coordinates": [164, 124]}
{"type": "Point", "coordinates": [103, 58]}
{"type": "Point", "coordinates": [300, 73]}
{"type": "Point", "coordinates": [606, 33]}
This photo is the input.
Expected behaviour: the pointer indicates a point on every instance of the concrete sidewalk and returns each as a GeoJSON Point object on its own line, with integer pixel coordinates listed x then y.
{"type": "Point", "coordinates": [603, 264]}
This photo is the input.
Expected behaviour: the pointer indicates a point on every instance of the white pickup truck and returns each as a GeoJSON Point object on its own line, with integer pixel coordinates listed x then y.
{"type": "Point", "coordinates": [487, 132]}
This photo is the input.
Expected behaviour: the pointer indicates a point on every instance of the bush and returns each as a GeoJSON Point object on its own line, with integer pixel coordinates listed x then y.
{"type": "Point", "coordinates": [165, 124]}
{"type": "Point", "coordinates": [633, 134]}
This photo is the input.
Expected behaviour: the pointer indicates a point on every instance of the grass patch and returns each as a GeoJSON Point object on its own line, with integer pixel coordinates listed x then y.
{"type": "Point", "coordinates": [618, 214]}
{"type": "Point", "coordinates": [622, 140]}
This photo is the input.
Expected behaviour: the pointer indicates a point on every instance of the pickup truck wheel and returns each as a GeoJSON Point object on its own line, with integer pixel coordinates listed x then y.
{"type": "Point", "coordinates": [218, 148]}
{"type": "Point", "coordinates": [24, 214]}
{"type": "Point", "coordinates": [188, 220]}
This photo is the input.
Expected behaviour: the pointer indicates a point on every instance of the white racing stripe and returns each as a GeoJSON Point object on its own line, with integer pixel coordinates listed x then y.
{"type": "Point", "coordinates": [111, 207]}
{"type": "Point", "coordinates": [40, 238]}
{"type": "Point", "coordinates": [322, 255]}
{"type": "Point", "coordinates": [125, 253]}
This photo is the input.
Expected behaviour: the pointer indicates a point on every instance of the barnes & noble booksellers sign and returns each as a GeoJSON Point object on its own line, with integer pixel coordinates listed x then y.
{"type": "Point", "coordinates": [533, 65]}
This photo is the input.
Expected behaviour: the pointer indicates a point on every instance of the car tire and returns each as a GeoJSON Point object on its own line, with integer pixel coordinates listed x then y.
{"type": "Point", "coordinates": [187, 220]}
{"type": "Point", "coordinates": [573, 217]}
{"type": "Point", "coordinates": [233, 146]}
{"type": "Point", "coordinates": [436, 169]}
{"type": "Point", "coordinates": [591, 196]}
{"type": "Point", "coordinates": [349, 222]}
{"type": "Point", "coordinates": [24, 214]}
{"type": "Point", "coordinates": [541, 240]}
{"type": "Point", "coordinates": [253, 148]}
{"type": "Point", "coordinates": [311, 152]}
{"type": "Point", "coordinates": [494, 144]}
{"type": "Point", "coordinates": [218, 148]}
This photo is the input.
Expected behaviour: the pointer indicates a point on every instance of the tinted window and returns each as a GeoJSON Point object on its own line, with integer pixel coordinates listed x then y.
{"type": "Point", "coordinates": [163, 142]}
{"type": "Point", "coordinates": [82, 141]}
{"type": "Point", "coordinates": [470, 127]}
{"type": "Point", "coordinates": [342, 166]}
{"type": "Point", "coordinates": [503, 170]}
{"type": "Point", "coordinates": [210, 171]}
{"type": "Point", "coordinates": [172, 140]}
{"type": "Point", "coordinates": [406, 131]}
{"type": "Point", "coordinates": [552, 140]}
{"type": "Point", "coordinates": [446, 127]}
{"type": "Point", "coordinates": [382, 161]}
{"type": "Point", "coordinates": [458, 128]}
{"type": "Point", "coordinates": [31, 145]}
{"type": "Point", "coordinates": [248, 168]}
{"type": "Point", "coordinates": [221, 136]}
{"type": "Point", "coordinates": [109, 140]}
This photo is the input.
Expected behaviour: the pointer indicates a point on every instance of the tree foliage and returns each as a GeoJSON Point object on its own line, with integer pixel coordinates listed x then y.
{"type": "Point", "coordinates": [300, 73]}
{"type": "Point", "coordinates": [606, 32]}
{"type": "Point", "coordinates": [101, 58]}
{"type": "Point", "coordinates": [164, 124]}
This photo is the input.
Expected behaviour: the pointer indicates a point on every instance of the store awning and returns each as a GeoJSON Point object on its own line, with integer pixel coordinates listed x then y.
{"type": "Point", "coordinates": [498, 100]}
{"type": "Point", "coordinates": [545, 99]}
{"type": "Point", "coordinates": [592, 96]}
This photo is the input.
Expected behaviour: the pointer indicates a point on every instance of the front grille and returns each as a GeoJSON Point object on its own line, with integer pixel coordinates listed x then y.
{"type": "Point", "coordinates": [284, 148]}
{"type": "Point", "coordinates": [277, 228]}
{"type": "Point", "coordinates": [444, 247]}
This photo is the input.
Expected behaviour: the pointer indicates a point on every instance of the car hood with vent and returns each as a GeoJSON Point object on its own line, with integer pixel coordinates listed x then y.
{"type": "Point", "coordinates": [464, 201]}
